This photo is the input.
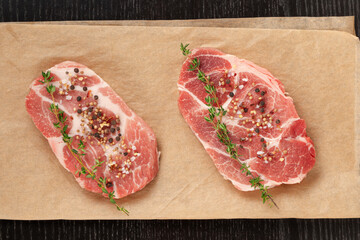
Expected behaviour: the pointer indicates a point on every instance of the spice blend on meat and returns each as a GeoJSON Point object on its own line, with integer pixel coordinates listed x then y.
{"type": "Point", "coordinates": [98, 138]}
{"type": "Point", "coordinates": [253, 135]}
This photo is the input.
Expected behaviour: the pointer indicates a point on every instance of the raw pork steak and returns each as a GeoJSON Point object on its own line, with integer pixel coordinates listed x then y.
{"type": "Point", "coordinates": [109, 129]}
{"type": "Point", "coordinates": [261, 119]}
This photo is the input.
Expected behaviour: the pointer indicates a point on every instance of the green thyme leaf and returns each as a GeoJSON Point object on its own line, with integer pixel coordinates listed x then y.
{"type": "Point", "coordinates": [184, 49]}
{"type": "Point", "coordinates": [215, 115]}
{"type": "Point", "coordinates": [104, 190]}
{"type": "Point", "coordinates": [50, 89]}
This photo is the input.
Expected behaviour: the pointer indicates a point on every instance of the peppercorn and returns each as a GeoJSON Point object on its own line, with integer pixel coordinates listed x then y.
{"type": "Point", "coordinates": [113, 122]}
{"type": "Point", "coordinates": [262, 110]}
{"type": "Point", "coordinates": [263, 93]}
{"type": "Point", "coordinates": [257, 130]}
{"type": "Point", "coordinates": [246, 110]}
{"type": "Point", "coordinates": [78, 98]}
{"type": "Point", "coordinates": [241, 146]}
{"type": "Point", "coordinates": [264, 145]}
{"type": "Point", "coordinates": [257, 90]}
{"type": "Point", "coordinates": [228, 81]}
{"type": "Point", "coordinates": [112, 130]}
{"type": "Point", "coordinates": [85, 88]}
{"type": "Point", "coordinates": [90, 109]}
{"type": "Point", "coordinates": [262, 103]}
{"type": "Point", "coordinates": [262, 140]}
{"type": "Point", "coordinates": [96, 97]}
{"type": "Point", "coordinates": [231, 94]}
{"type": "Point", "coordinates": [97, 135]}
{"type": "Point", "coordinates": [109, 184]}
{"type": "Point", "coordinates": [110, 140]}
{"type": "Point", "coordinates": [125, 153]}
{"type": "Point", "coordinates": [118, 128]}
{"type": "Point", "coordinates": [99, 114]}
{"type": "Point", "coordinates": [277, 121]}
{"type": "Point", "coordinates": [79, 111]}
{"type": "Point", "coordinates": [94, 117]}
{"type": "Point", "coordinates": [117, 138]}
{"type": "Point", "coordinates": [76, 70]}
{"type": "Point", "coordinates": [72, 87]}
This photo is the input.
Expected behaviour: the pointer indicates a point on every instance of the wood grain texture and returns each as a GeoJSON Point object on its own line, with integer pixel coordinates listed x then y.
{"type": "Point", "coordinates": [183, 229]}
{"type": "Point", "coordinates": [57, 10]}
{"type": "Point", "coordinates": [51, 10]}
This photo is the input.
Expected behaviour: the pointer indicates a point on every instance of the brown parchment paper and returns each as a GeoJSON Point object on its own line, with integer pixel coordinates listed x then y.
{"type": "Point", "coordinates": [345, 23]}
{"type": "Point", "coordinates": [142, 65]}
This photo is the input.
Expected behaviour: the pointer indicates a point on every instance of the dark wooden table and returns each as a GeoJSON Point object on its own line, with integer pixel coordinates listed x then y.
{"type": "Point", "coordinates": [51, 10]}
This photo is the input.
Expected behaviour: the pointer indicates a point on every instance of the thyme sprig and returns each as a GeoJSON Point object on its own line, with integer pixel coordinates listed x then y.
{"type": "Point", "coordinates": [215, 115]}
{"type": "Point", "coordinates": [80, 151]}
